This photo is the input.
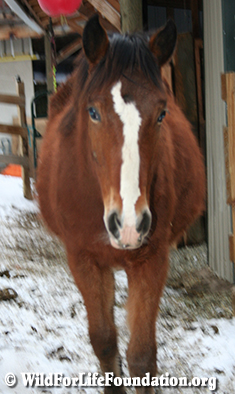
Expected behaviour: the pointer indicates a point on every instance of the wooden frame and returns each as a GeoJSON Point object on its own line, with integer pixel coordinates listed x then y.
{"type": "Point", "coordinates": [21, 131]}
{"type": "Point", "coordinates": [228, 95]}
{"type": "Point", "coordinates": [198, 46]}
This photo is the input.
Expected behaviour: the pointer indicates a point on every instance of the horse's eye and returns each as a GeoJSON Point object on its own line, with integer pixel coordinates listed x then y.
{"type": "Point", "coordinates": [161, 117]}
{"type": "Point", "coordinates": [94, 114]}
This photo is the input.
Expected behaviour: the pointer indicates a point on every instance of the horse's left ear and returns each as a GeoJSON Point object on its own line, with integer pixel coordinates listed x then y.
{"type": "Point", "coordinates": [95, 40]}
{"type": "Point", "coordinates": [163, 42]}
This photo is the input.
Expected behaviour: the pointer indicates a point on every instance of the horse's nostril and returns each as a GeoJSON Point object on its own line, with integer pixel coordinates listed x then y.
{"type": "Point", "coordinates": [144, 226]}
{"type": "Point", "coordinates": [114, 224]}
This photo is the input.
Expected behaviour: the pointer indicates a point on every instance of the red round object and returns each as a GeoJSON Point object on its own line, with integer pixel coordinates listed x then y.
{"type": "Point", "coordinates": [59, 7]}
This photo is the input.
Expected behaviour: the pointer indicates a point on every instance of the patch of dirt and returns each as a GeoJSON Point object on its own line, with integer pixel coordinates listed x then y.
{"type": "Point", "coordinates": [8, 294]}
{"type": "Point", "coordinates": [202, 281]}
{"type": "Point", "coordinates": [199, 290]}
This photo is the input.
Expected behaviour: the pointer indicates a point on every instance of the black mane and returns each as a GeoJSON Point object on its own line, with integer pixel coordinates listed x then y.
{"type": "Point", "coordinates": [126, 54]}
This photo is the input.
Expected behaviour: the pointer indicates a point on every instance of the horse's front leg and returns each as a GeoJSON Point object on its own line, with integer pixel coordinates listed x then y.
{"type": "Point", "coordinates": [96, 284]}
{"type": "Point", "coordinates": [146, 282]}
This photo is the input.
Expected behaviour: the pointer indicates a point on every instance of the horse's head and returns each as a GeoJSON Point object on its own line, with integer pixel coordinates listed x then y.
{"type": "Point", "coordinates": [125, 108]}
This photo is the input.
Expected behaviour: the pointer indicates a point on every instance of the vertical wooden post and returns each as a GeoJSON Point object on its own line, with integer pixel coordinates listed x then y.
{"type": "Point", "coordinates": [170, 14]}
{"type": "Point", "coordinates": [197, 42]}
{"type": "Point", "coordinates": [131, 15]}
{"type": "Point", "coordinates": [167, 71]}
{"type": "Point", "coordinates": [49, 74]}
{"type": "Point", "coordinates": [198, 46]}
{"type": "Point", "coordinates": [24, 143]}
{"type": "Point", "coordinates": [195, 19]}
{"type": "Point", "coordinates": [145, 15]}
{"type": "Point", "coordinates": [228, 95]}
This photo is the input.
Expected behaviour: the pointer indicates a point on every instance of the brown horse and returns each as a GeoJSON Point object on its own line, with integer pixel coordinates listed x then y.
{"type": "Point", "coordinates": [120, 178]}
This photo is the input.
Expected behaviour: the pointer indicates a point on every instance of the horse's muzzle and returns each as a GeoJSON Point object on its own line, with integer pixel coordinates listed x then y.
{"type": "Point", "coordinates": [123, 236]}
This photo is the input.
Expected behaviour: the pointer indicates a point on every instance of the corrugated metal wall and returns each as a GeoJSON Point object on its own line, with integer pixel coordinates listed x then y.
{"type": "Point", "coordinates": [219, 216]}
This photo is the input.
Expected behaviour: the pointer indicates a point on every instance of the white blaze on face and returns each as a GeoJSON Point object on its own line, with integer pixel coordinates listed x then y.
{"type": "Point", "coordinates": [129, 180]}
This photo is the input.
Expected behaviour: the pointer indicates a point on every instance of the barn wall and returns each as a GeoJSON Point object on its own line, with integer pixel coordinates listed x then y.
{"type": "Point", "coordinates": [8, 71]}
{"type": "Point", "coordinates": [219, 216]}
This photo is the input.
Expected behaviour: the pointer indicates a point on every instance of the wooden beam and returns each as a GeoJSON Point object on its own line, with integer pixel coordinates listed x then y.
{"type": "Point", "coordinates": [75, 27]}
{"type": "Point", "coordinates": [18, 58]}
{"type": "Point", "coordinates": [199, 103]}
{"type": "Point", "coordinates": [198, 46]}
{"type": "Point", "coordinates": [77, 19]}
{"type": "Point", "coordinates": [14, 159]}
{"type": "Point", "coordinates": [145, 16]}
{"type": "Point", "coordinates": [42, 14]}
{"type": "Point", "coordinates": [14, 130]}
{"type": "Point", "coordinates": [232, 238]}
{"type": "Point", "coordinates": [33, 2]}
{"type": "Point", "coordinates": [86, 9]}
{"type": "Point", "coordinates": [115, 4]}
{"type": "Point", "coordinates": [228, 95]}
{"type": "Point", "coordinates": [33, 13]}
{"type": "Point", "coordinates": [14, 100]}
{"type": "Point", "coordinates": [166, 73]}
{"type": "Point", "coordinates": [195, 19]}
{"type": "Point", "coordinates": [170, 14]}
{"type": "Point", "coordinates": [69, 50]}
{"type": "Point", "coordinates": [107, 11]}
{"type": "Point", "coordinates": [17, 32]}
{"type": "Point", "coordinates": [18, 9]}
{"type": "Point", "coordinates": [227, 173]}
{"type": "Point", "coordinates": [131, 15]}
{"type": "Point", "coordinates": [184, 4]}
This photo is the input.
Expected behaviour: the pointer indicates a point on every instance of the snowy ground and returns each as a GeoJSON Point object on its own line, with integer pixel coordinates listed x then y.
{"type": "Point", "coordinates": [43, 325]}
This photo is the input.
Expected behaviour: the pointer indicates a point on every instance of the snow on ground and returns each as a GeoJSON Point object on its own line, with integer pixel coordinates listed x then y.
{"type": "Point", "coordinates": [43, 328]}
{"type": "Point", "coordinates": [11, 196]}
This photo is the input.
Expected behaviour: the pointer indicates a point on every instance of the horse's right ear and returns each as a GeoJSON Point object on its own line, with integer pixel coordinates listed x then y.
{"type": "Point", "coordinates": [163, 43]}
{"type": "Point", "coordinates": [95, 40]}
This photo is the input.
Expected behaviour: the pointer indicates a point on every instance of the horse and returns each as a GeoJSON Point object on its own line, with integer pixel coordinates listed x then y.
{"type": "Point", "coordinates": [120, 178]}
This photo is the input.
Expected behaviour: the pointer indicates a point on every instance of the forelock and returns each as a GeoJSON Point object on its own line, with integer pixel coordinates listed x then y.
{"type": "Point", "coordinates": [126, 54]}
